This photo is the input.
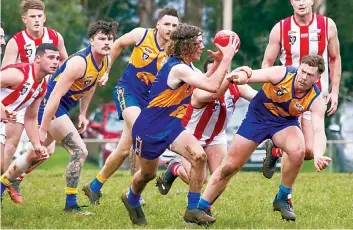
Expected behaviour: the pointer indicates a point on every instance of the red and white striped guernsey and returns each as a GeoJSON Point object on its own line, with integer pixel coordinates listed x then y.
{"type": "Point", "coordinates": [27, 45]}
{"type": "Point", "coordinates": [23, 95]}
{"type": "Point", "coordinates": [207, 122]}
{"type": "Point", "coordinates": [298, 41]}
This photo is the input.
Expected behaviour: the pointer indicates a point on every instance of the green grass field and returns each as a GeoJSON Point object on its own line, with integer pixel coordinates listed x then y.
{"type": "Point", "coordinates": [321, 200]}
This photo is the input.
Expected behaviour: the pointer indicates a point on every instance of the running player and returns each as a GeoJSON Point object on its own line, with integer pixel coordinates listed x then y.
{"type": "Point", "coordinates": [273, 113]}
{"type": "Point", "coordinates": [301, 34]}
{"type": "Point", "coordinates": [24, 86]}
{"type": "Point", "coordinates": [131, 92]}
{"type": "Point", "coordinates": [159, 124]}
{"type": "Point", "coordinates": [75, 81]}
{"type": "Point", "coordinates": [207, 117]}
{"type": "Point", "coordinates": [21, 48]}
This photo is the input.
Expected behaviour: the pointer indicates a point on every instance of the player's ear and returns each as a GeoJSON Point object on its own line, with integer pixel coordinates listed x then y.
{"type": "Point", "coordinates": [24, 19]}
{"type": "Point", "coordinates": [45, 18]}
{"type": "Point", "coordinates": [91, 41]}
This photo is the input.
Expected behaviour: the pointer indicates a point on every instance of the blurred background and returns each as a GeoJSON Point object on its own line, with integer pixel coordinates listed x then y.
{"type": "Point", "coordinates": [252, 20]}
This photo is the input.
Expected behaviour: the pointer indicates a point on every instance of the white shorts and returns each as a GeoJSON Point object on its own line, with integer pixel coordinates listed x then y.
{"type": "Point", "coordinates": [20, 116]}
{"type": "Point", "coordinates": [220, 139]}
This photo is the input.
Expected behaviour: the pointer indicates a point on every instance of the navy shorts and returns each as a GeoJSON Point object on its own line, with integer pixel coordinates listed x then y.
{"type": "Point", "coordinates": [124, 98]}
{"type": "Point", "coordinates": [260, 129]}
{"type": "Point", "coordinates": [59, 112]}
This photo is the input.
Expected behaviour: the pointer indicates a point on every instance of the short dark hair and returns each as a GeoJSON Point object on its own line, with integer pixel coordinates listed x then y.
{"type": "Point", "coordinates": [31, 4]}
{"type": "Point", "coordinates": [45, 46]}
{"type": "Point", "coordinates": [167, 11]}
{"type": "Point", "coordinates": [109, 27]}
{"type": "Point", "coordinates": [315, 61]}
{"type": "Point", "coordinates": [209, 60]}
{"type": "Point", "coordinates": [182, 40]}
{"type": "Point", "coordinates": [1, 25]}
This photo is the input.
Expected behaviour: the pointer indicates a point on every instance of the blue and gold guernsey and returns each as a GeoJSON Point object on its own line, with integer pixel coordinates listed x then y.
{"type": "Point", "coordinates": [80, 86]}
{"type": "Point", "coordinates": [146, 60]}
{"type": "Point", "coordinates": [159, 124]}
{"type": "Point", "coordinates": [276, 107]}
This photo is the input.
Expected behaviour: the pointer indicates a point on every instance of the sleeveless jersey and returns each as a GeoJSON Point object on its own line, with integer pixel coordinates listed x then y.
{"type": "Point", "coordinates": [298, 41]}
{"type": "Point", "coordinates": [82, 85]}
{"type": "Point", "coordinates": [27, 45]}
{"type": "Point", "coordinates": [278, 102]}
{"type": "Point", "coordinates": [24, 94]}
{"type": "Point", "coordinates": [146, 60]}
{"type": "Point", "coordinates": [207, 122]}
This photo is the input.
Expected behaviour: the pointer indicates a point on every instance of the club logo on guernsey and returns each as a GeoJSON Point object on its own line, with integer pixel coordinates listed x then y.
{"type": "Point", "coordinates": [215, 107]}
{"type": "Point", "coordinates": [299, 107]}
{"type": "Point", "coordinates": [89, 79]}
{"type": "Point", "coordinates": [292, 37]}
{"type": "Point", "coordinates": [283, 90]}
{"type": "Point", "coordinates": [24, 90]}
{"type": "Point", "coordinates": [146, 54]}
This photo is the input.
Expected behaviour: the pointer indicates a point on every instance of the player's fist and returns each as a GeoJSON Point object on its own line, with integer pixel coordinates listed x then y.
{"type": "Point", "coordinates": [321, 162]}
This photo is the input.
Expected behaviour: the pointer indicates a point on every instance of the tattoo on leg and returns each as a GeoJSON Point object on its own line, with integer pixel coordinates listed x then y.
{"type": "Point", "coordinates": [134, 167]}
{"type": "Point", "coordinates": [74, 167]}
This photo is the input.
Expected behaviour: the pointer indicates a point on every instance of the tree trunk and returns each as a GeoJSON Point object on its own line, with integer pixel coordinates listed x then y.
{"type": "Point", "coordinates": [319, 7]}
{"type": "Point", "coordinates": [146, 13]}
{"type": "Point", "coordinates": [193, 12]}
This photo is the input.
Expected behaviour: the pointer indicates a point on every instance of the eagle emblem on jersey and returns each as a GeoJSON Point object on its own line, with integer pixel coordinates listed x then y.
{"type": "Point", "coordinates": [282, 90]}
{"type": "Point", "coordinates": [24, 90]}
{"type": "Point", "coordinates": [299, 107]}
{"type": "Point", "coordinates": [88, 80]}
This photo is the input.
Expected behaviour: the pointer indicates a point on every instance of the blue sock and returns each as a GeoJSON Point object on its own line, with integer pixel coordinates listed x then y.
{"type": "Point", "coordinates": [133, 199]}
{"type": "Point", "coordinates": [71, 200]}
{"type": "Point", "coordinates": [96, 185]}
{"type": "Point", "coordinates": [283, 192]}
{"type": "Point", "coordinates": [204, 204]}
{"type": "Point", "coordinates": [3, 188]}
{"type": "Point", "coordinates": [193, 200]}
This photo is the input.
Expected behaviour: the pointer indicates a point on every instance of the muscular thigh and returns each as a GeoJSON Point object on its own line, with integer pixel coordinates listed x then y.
{"type": "Point", "coordinates": [215, 155]}
{"type": "Point", "coordinates": [289, 139]}
{"type": "Point", "coordinates": [187, 146]}
{"type": "Point", "coordinates": [130, 115]}
{"type": "Point", "coordinates": [307, 130]}
{"type": "Point", "coordinates": [65, 133]}
{"type": "Point", "coordinates": [13, 133]}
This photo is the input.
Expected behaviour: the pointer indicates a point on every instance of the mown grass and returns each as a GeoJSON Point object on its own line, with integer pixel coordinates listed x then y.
{"type": "Point", "coordinates": [321, 200]}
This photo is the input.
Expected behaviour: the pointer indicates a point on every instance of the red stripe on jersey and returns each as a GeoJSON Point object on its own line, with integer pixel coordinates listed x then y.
{"type": "Point", "coordinates": [205, 118]}
{"type": "Point", "coordinates": [12, 97]}
{"type": "Point", "coordinates": [286, 42]}
{"type": "Point", "coordinates": [20, 41]}
{"type": "Point", "coordinates": [322, 34]}
{"type": "Point", "coordinates": [234, 91]}
{"type": "Point", "coordinates": [37, 41]}
{"type": "Point", "coordinates": [304, 42]}
{"type": "Point", "coordinates": [187, 115]}
{"type": "Point", "coordinates": [220, 122]}
{"type": "Point", "coordinates": [53, 35]}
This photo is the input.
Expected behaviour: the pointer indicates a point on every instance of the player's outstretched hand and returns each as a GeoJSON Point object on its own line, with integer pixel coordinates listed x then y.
{"type": "Point", "coordinates": [103, 80]}
{"type": "Point", "coordinates": [333, 98]}
{"type": "Point", "coordinates": [82, 124]}
{"type": "Point", "coordinates": [231, 49]}
{"type": "Point", "coordinates": [10, 116]}
{"type": "Point", "coordinates": [240, 75]}
{"type": "Point", "coordinates": [321, 162]}
{"type": "Point", "coordinates": [41, 152]}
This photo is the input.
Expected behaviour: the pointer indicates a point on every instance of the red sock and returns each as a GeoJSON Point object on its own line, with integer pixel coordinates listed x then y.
{"type": "Point", "coordinates": [276, 152]}
{"type": "Point", "coordinates": [175, 167]}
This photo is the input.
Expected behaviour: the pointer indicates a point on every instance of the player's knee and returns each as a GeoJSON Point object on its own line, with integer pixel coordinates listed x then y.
{"type": "Point", "coordinates": [200, 158]}
{"type": "Point", "coordinates": [309, 154]}
{"type": "Point", "coordinates": [10, 149]}
{"type": "Point", "coordinates": [298, 155]}
{"type": "Point", "coordinates": [148, 176]}
{"type": "Point", "coordinates": [228, 170]}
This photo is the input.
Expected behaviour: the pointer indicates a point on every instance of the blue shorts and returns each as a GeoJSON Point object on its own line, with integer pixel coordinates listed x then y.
{"type": "Point", "coordinates": [124, 98]}
{"type": "Point", "coordinates": [149, 143]}
{"type": "Point", "coordinates": [59, 112]}
{"type": "Point", "coordinates": [260, 129]}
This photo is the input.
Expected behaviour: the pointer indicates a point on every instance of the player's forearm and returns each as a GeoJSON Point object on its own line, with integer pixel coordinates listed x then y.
{"type": "Point", "coordinates": [335, 74]}
{"type": "Point", "coordinates": [116, 50]}
{"type": "Point", "coordinates": [217, 77]}
{"type": "Point", "coordinates": [319, 143]}
{"type": "Point", "coordinates": [49, 111]}
{"type": "Point", "coordinates": [31, 127]}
